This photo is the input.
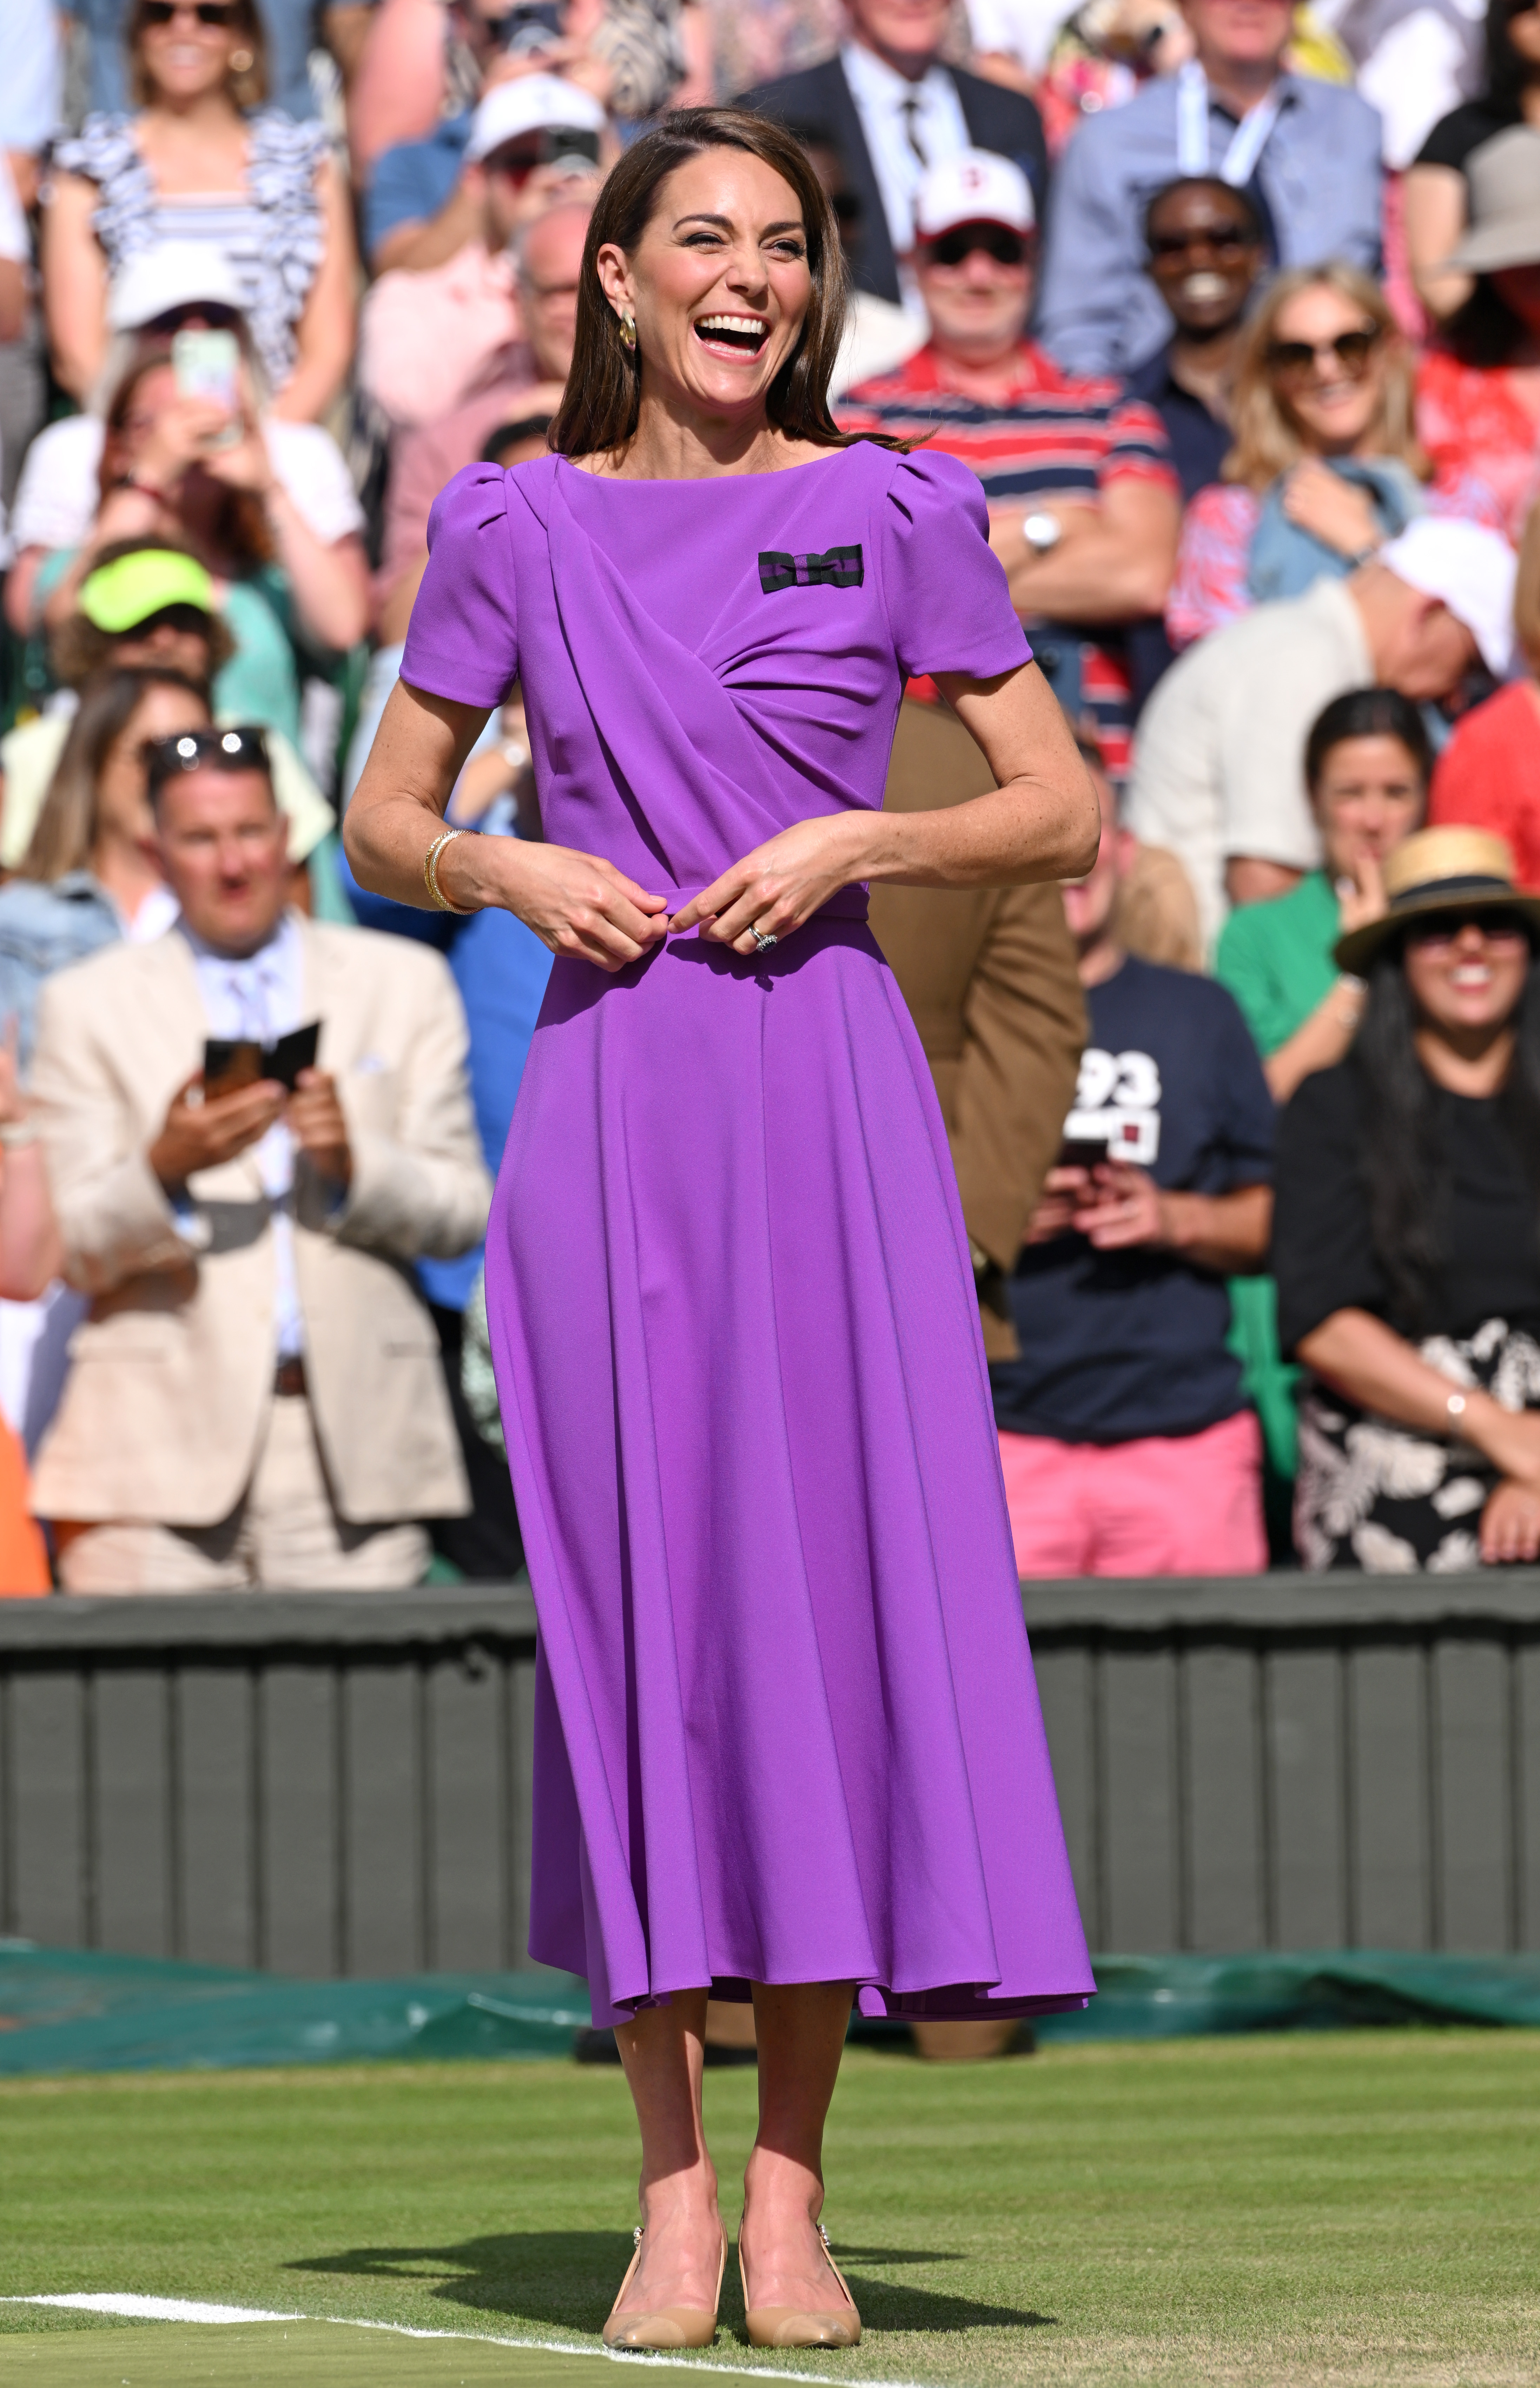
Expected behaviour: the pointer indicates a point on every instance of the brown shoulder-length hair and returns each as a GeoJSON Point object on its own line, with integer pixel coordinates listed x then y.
{"type": "Point", "coordinates": [240, 538]}
{"type": "Point", "coordinates": [598, 414]}
{"type": "Point", "coordinates": [66, 829]}
{"type": "Point", "coordinates": [248, 89]}
{"type": "Point", "coordinates": [1266, 440]}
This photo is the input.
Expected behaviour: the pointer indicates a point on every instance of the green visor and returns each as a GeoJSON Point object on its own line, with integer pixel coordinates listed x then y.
{"type": "Point", "coordinates": [118, 596]}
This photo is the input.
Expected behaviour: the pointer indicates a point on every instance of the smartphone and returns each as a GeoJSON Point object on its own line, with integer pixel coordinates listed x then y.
{"type": "Point", "coordinates": [1081, 1153]}
{"type": "Point", "coordinates": [206, 365]}
{"type": "Point", "coordinates": [531, 26]}
{"type": "Point", "coordinates": [232, 1062]}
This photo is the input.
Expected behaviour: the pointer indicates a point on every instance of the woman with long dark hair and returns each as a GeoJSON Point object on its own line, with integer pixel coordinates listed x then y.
{"type": "Point", "coordinates": [787, 1742]}
{"type": "Point", "coordinates": [1407, 1231]}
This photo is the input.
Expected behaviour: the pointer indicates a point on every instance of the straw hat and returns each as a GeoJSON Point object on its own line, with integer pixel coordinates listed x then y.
{"type": "Point", "coordinates": [1504, 175]}
{"type": "Point", "coordinates": [1451, 870]}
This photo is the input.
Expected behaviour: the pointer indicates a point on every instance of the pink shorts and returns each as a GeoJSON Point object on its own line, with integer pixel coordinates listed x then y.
{"type": "Point", "coordinates": [1168, 1505]}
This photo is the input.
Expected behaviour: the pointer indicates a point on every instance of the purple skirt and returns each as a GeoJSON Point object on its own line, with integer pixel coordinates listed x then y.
{"type": "Point", "coordinates": [786, 1727]}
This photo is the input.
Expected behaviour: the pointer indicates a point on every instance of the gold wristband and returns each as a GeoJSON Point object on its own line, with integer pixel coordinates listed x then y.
{"type": "Point", "coordinates": [430, 870]}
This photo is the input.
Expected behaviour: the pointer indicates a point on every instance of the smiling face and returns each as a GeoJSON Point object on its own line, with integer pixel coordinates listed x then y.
{"type": "Point", "coordinates": [1205, 256]}
{"type": "Point", "coordinates": [1368, 797]}
{"type": "Point", "coordinates": [187, 58]}
{"type": "Point", "coordinates": [1467, 976]}
{"type": "Point", "coordinates": [1331, 400]}
{"type": "Point", "coordinates": [719, 283]}
{"type": "Point", "coordinates": [976, 283]}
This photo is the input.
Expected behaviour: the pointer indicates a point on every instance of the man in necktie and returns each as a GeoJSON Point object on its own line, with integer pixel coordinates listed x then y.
{"type": "Point", "coordinates": [257, 1397]}
{"type": "Point", "coordinates": [890, 107]}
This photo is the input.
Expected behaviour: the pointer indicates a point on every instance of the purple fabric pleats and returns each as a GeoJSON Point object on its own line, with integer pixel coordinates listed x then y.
{"type": "Point", "coordinates": [786, 1727]}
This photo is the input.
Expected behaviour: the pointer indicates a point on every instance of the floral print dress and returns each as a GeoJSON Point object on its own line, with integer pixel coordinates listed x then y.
{"type": "Point", "coordinates": [1379, 1497]}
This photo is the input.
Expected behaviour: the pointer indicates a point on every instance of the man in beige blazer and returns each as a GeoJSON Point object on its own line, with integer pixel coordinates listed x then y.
{"type": "Point", "coordinates": [989, 975]}
{"type": "Point", "coordinates": [256, 1397]}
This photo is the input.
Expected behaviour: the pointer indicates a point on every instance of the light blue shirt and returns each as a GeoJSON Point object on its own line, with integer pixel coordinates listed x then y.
{"type": "Point", "coordinates": [1320, 175]}
{"type": "Point", "coordinates": [261, 996]}
{"type": "Point", "coordinates": [32, 75]}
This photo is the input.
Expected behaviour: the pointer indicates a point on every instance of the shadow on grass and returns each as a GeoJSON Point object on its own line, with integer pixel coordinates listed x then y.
{"type": "Point", "coordinates": [566, 2279]}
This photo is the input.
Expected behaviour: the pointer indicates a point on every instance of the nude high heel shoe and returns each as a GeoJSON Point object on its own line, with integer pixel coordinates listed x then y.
{"type": "Point", "coordinates": [670, 2326]}
{"type": "Point", "coordinates": [783, 2326]}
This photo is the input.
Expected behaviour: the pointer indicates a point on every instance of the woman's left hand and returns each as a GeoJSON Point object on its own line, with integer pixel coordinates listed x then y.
{"type": "Point", "coordinates": [781, 884]}
{"type": "Point", "coordinates": [1510, 1525]}
{"type": "Point", "coordinates": [1338, 513]}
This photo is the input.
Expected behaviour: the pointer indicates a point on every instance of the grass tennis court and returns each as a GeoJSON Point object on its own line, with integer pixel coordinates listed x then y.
{"type": "Point", "coordinates": [1353, 2207]}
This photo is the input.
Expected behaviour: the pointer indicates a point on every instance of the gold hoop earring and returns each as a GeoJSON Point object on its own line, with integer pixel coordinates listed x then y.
{"type": "Point", "coordinates": [628, 331]}
{"type": "Point", "coordinates": [242, 61]}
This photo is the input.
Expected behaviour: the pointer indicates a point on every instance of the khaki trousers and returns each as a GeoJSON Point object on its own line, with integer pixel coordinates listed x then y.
{"type": "Point", "coordinates": [283, 1535]}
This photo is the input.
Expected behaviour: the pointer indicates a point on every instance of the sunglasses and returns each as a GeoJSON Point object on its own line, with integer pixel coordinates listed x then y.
{"type": "Point", "coordinates": [1226, 240]}
{"type": "Point", "coordinates": [1496, 928]}
{"type": "Point", "coordinates": [212, 315]}
{"type": "Point", "coordinates": [1351, 349]}
{"type": "Point", "coordinates": [218, 14]}
{"type": "Point", "coordinates": [1007, 247]}
{"type": "Point", "coordinates": [240, 749]}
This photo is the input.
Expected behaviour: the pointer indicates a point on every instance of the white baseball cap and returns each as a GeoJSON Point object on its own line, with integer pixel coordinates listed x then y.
{"type": "Point", "coordinates": [972, 186]}
{"type": "Point", "coordinates": [177, 273]}
{"type": "Point", "coordinates": [531, 103]}
{"type": "Point", "coordinates": [1472, 569]}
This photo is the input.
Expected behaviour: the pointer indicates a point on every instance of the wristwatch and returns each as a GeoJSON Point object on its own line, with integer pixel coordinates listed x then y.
{"type": "Point", "coordinates": [1041, 532]}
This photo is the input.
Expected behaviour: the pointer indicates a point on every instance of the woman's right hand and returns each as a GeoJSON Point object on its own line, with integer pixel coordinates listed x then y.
{"type": "Point", "coordinates": [577, 904]}
{"type": "Point", "coordinates": [1510, 1526]}
{"type": "Point", "coordinates": [181, 436]}
{"type": "Point", "coordinates": [1361, 898]}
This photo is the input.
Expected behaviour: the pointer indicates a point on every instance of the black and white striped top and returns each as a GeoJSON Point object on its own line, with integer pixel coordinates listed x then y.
{"type": "Point", "coordinates": [272, 233]}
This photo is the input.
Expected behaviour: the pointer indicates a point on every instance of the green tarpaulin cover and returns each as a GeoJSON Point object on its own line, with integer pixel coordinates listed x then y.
{"type": "Point", "coordinates": [64, 2011]}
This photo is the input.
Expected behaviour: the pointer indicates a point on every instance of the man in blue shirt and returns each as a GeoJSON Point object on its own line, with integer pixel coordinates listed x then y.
{"type": "Point", "coordinates": [1306, 152]}
{"type": "Point", "coordinates": [1125, 1437]}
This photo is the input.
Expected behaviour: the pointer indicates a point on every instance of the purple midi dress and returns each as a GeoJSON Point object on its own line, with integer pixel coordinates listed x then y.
{"type": "Point", "coordinates": [787, 1728]}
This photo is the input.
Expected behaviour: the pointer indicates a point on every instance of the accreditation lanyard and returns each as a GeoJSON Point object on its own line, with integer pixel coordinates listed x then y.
{"type": "Point", "coordinates": [1251, 134]}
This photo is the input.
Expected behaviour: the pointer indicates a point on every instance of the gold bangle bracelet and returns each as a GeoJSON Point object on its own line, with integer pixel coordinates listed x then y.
{"type": "Point", "coordinates": [430, 870]}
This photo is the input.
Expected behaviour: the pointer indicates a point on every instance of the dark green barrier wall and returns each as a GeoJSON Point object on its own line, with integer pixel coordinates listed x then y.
{"type": "Point", "coordinates": [340, 1786]}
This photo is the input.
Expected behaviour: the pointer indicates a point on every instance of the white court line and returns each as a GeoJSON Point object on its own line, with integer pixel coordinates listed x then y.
{"type": "Point", "coordinates": [140, 2308]}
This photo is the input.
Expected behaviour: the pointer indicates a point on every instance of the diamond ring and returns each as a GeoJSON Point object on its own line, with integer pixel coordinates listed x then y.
{"type": "Point", "coordinates": [761, 940]}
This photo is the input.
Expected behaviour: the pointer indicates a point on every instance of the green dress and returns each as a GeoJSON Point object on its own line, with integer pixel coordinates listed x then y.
{"type": "Point", "coordinates": [1275, 960]}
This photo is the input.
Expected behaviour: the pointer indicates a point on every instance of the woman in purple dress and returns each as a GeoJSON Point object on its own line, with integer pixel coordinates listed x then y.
{"type": "Point", "coordinates": [787, 1738]}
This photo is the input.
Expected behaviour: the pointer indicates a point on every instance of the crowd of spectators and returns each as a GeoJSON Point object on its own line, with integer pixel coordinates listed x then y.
{"type": "Point", "coordinates": [1233, 308]}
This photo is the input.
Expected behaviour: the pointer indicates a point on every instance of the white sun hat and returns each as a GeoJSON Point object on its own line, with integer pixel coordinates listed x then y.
{"type": "Point", "coordinates": [1471, 568]}
{"type": "Point", "coordinates": [174, 273]}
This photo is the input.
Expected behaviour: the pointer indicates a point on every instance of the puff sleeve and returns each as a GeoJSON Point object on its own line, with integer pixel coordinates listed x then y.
{"type": "Point", "coordinates": [463, 639]}
{"type": "Point", "coordinates": [949, 606]}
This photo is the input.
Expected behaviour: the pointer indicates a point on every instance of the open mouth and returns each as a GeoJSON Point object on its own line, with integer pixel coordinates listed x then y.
{"type": "Point", "coordinates": [731, 336]}
{"type": "Point", "coordinates": [1204, 289]}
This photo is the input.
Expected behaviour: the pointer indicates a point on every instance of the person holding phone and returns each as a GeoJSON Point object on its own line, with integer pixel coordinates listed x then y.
{"type": "Point", "coordinates": [266, 1402]}
{"type": "Point", "coordinates": [171, 467]}
{"type": "Point", "coordinates": [201, 157]}
{"type": "Point", "coordinates": [1126, 1442]}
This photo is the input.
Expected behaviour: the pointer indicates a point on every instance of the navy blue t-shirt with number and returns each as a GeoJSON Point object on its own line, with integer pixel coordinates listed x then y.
{"type": "Point", "coordinates": [1118, 1345]}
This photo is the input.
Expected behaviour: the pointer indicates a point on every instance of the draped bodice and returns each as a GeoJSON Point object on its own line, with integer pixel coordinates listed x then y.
{"type": "Point", "coordinates": [704, 662]}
